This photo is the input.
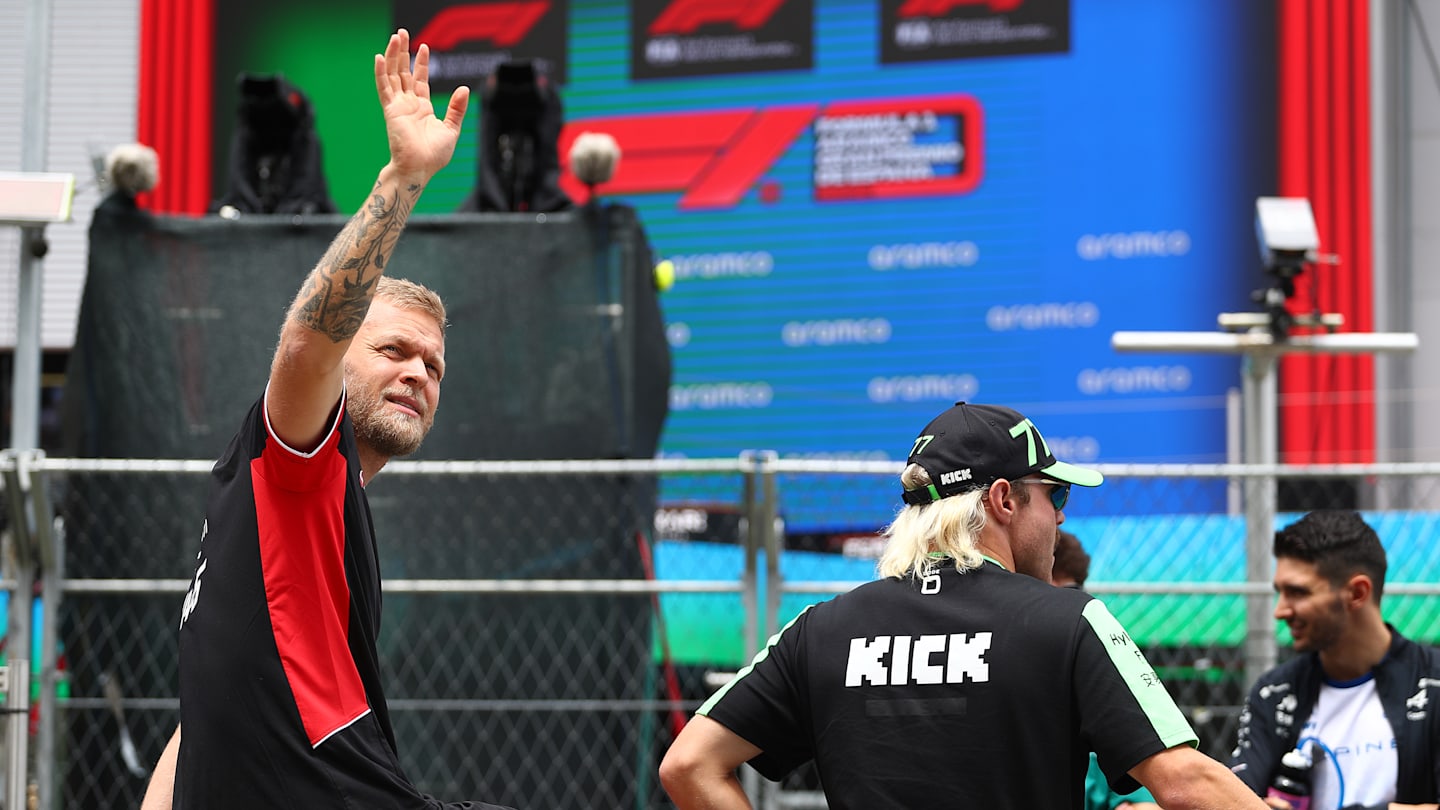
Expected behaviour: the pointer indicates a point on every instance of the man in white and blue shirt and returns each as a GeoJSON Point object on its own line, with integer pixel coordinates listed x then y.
{"type": "Point", "coordinates": [1360, 700]}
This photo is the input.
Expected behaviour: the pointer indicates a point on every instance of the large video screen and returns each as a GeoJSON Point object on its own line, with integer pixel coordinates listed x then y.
{"type": "Point", "coordinates": [875, 208]}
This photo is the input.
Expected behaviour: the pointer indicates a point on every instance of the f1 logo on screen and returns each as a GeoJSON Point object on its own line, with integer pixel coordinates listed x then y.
{"type": "Point", "coordinates": [930, 30]}
{"type": "Point", "coordinates": [503, 24]}
{"type": "Point", "coordinates": [686, 16]}
{"type": "Point", "coordinates": [674, 38]}
{"type": "Point", "coordinates": [933, 147]}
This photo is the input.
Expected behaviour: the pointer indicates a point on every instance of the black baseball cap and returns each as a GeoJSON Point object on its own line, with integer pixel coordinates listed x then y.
{"type": "Point", "coordinates": [972, 446]}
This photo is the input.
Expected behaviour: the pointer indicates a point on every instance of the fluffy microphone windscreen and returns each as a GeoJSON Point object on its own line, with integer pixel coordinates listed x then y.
{"type": "Point", "coordinates": [132, 168]}
{"type": "Point", "coordinates": [594, 157]}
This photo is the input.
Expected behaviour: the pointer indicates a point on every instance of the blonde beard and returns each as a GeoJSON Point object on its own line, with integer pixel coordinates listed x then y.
{"type": "Point", "coordinates": [388, 434]}
{"type": "Point", "coordinates": [384, 431]}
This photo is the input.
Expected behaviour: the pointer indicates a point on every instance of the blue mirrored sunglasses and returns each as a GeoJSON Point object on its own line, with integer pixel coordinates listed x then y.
{"type": "Point", "coordinates": [1059, 494]}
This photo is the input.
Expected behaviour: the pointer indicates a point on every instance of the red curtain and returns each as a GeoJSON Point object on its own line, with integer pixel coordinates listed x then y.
{"type": "Point", "coordinates": [176, 67]}
{"type": "Point", "coordinates": [1327, 402]}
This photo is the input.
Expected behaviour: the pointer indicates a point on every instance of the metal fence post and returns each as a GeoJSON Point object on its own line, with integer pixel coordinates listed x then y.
{"type": "Point", "coordinates": [750, 580]}
{"type": "Point", "coordinates": [15, 680]}
{"type": "Point", "coordinates": [17, 669]}
{"type": "Point", "coordinates": [1259, 393]}
{"type": "Point", "coordinates": [768, 511]}
{"type": "Point", "coordinates": [749, 590]}
{"type": "Point", "coordinates": [50, 549]}
{"type": "Point", "coordinates": [769, 522]}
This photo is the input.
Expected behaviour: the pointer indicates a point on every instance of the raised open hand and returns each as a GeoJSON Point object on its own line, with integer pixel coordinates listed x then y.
{"type": "Point", "coordinates": [420, 143]}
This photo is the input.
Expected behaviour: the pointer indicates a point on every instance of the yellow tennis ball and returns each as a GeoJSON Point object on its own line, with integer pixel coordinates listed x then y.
{"type": "Point", "coordinates": [664, 275]}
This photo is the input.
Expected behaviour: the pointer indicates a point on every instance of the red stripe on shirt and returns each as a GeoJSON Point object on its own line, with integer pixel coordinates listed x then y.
{"type": "Point", "coordinates": [300, 510]}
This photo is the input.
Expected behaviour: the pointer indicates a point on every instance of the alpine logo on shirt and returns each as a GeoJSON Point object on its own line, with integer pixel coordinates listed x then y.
{"type": "Point", "coordinates": [928, 659]}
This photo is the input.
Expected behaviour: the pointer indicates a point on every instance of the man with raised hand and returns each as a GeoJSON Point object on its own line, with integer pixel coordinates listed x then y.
{"type": "Point", "coordinates": [280, 696]}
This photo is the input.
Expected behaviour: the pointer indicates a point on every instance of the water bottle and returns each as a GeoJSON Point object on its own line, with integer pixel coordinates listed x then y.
{"type": "Point", "coordinates": [1292, 781]}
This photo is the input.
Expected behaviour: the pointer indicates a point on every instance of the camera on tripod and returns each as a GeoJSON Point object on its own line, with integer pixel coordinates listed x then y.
{"type": "Point", "coordinates": [520, 122]}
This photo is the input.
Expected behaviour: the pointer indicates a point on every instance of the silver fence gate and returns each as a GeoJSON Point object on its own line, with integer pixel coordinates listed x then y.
{"type": "Point", "coordinates": [547, 628]}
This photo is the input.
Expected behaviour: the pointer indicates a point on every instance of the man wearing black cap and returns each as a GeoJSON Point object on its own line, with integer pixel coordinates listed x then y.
{"type": "Point", "coordinates": [954, 681]}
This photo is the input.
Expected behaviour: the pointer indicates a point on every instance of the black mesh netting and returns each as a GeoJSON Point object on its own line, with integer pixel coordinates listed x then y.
{"type": "Point", "coordinates": [556, 349]}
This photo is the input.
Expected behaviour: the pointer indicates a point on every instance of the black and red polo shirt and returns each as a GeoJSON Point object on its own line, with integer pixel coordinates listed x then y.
{"type": "Point", "coordinates": [280, 696]}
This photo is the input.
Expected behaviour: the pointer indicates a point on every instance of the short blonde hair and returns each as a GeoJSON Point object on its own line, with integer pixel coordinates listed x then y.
{"type": "Point", "coordinates": [407, 294]}
{"type": "Point", "coordinates": [922, 536]}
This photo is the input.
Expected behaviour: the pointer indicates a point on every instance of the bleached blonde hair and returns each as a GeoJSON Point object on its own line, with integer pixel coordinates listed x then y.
{"type": "Point", "coordinates": [922, 537]}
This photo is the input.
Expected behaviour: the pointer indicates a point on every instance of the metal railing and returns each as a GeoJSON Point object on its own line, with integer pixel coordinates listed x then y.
{"type": "Point", "coordinates": [552, 594]}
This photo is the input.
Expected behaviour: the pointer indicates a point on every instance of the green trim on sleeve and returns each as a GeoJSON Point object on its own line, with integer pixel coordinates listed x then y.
{"type": "Point", "coordinates": [760, 656]}
{"type": "Point", "coordinates": [1165, 717]}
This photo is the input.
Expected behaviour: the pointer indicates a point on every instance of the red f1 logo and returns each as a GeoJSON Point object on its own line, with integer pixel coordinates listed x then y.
{"type": "Point", "coordinates": [504, 23]}
{"type": "Point", "coordinates": [939, 8]}
{"type": "Point", "coordinates": [685, 16]}
{"type": "Point", "coordinates": [715, 157]}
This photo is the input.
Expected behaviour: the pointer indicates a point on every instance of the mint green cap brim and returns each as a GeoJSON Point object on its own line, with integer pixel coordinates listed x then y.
{"type": "Point", "coordinates": [1070, 474]}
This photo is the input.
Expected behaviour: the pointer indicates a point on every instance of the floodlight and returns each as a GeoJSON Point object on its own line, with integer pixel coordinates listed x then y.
{"type": "Point", "coordinates": [1285, 227]}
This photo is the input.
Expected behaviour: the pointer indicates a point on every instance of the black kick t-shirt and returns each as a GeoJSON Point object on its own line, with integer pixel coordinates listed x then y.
{"type": "Point", "coordinates": [977, 689]}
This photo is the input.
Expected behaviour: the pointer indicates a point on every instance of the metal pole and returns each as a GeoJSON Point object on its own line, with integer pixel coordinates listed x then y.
{"type": "Point", "coordinates": [51, 553]}
{"type": "Point", "coordinates": [1260, 443]}
{"type": "Point", "coordinates": [750, 579]}
{"type": "Point", "coordinates": [770, 512]}
{"type": "Point", "coordinates": [750, 599]}
{"type": "Point", "coordinates": [1394, 269]}
{"type": "Point", "coordinates": [21, 558]}
{"type": "Point", "coordinates": [17, 707]}
{"type": "Point", "coordinates": [25, 394]}
{"type": "Point", "coordinates": [1234, 449]}
{"type": "Point", "coordinates": [25, 391]}
{"type": "Point", "coordinates": [769, 509]}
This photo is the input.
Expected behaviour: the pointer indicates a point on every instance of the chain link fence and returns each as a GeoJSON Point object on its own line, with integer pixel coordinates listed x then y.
{"type": "Point", "coordinates": [548, 626]}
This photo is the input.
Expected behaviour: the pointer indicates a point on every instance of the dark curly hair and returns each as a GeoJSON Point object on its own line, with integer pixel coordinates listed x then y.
{"type": "Point", "coordinates": [1070, 558]}
{"type": "Point", "coordinates": [1338, 543]}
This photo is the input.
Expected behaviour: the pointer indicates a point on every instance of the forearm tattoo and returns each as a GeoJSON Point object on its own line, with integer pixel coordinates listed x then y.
{"type": "Point", "coordinates": [337, 293]}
